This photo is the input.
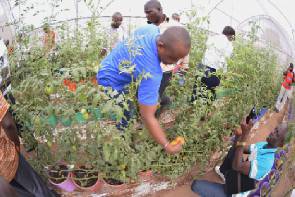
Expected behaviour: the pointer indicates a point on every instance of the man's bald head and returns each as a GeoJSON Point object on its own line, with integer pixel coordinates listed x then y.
{"type": "Point", "coordinates": [153, 4]}
{"type": "Point", "coordinates": [117, 19]}
{"type": "Point", "coordinates": [116, 14]}
{"type": "Point", "coordinates": [153, 11]}
{"type": "Point", "coordinates": [174, 44]}
{"type": "Point", "coordinates": [176, 34]}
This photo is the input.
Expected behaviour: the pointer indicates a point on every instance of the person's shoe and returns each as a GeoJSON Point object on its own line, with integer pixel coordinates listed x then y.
{"type": "Point", "coordinates": [217, 170]}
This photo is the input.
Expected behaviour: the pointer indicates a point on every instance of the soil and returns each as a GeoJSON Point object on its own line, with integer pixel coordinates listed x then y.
{"type": "Point", "coordinates": [85, 177]}
{"type": "Point", "coordinates": [167, 118]}
{"type": "Point", "coordinates": [58, 173]}
{"type": "Point", "coordinates": [112, 181]}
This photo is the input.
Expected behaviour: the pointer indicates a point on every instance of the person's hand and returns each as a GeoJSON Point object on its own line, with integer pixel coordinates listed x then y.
{"type": "Point", "coordinates": [173, 149]}
{"type": "Point", "coordinates": [246, 128]}
{"type": "Point", "coordinates": [103, 52]}
{"type": "Point", "coordinates": [238, 131]}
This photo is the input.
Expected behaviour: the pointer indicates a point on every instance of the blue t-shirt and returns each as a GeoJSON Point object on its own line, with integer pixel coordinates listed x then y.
{"type": "Point", "coordinates": [262, 160]}
{"type": "Point", "coordinates": [141, 52]}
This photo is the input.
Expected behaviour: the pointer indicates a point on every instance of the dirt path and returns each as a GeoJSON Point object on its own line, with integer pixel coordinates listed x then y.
{"type": "Point", "coordinates": [259, 133]}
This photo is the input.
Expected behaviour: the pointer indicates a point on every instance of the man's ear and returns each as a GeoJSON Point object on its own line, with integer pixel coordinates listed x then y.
{"type": "Point", "coordinates": [161, 44]}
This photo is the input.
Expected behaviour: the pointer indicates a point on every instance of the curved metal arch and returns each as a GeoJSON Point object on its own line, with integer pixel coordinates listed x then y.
{"type": "Point", "coordinates": [282, 30]}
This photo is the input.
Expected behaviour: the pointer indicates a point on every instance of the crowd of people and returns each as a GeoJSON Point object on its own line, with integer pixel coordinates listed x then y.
{"type": "Point", "coordinates": [164, 45]}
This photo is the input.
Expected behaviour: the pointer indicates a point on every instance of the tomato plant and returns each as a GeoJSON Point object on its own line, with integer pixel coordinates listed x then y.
{"type": "Point", "coordinates": [74, 119]}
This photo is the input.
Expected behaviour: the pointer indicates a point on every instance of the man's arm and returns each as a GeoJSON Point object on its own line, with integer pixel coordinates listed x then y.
{"type": "Point", "coordinates": [240, 147]}
{"type": "Point", "coordinates": [10, 129]}
{"type": "Point", "coordinates": [154, 128]}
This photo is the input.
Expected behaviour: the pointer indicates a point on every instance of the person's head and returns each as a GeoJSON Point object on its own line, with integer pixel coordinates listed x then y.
{"type": "Point", "coordinates": [291, 67]}
{"type": "Point", "coordinates": [165, 18]}
{"type": "Point", "coordinates": [176, 17]}
{"type": "Point", "coordinates": [229, 32]}
{"type": "Point", "coordinates": [153, 11]}
{"type": "Point", "coordinates": [173, 44]}
{"type": "Point", "coordinates": [6, 43]}
{"type": "Point", "coordinates": [46, 28]}
{"type": "Point", "coordinates": [117, 19]}
{"type": "Point", "coordinates": [277, 137]}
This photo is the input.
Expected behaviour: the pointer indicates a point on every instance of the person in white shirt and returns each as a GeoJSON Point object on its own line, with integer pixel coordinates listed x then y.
{"type": "Point", "coordinates": [176, 17]}
{"type": "Point", "coordinates": [115, 34]}
{"type": "Point", "coordinates": [219, 49]}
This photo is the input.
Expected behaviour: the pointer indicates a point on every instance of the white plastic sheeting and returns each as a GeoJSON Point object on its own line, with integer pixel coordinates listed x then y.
{"type": "Point", "coordinates": [275, 17]}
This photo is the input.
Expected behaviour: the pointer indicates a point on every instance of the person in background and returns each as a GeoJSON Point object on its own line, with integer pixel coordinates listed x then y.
{"type": "Point", "coordinates": [13, 166]}
{"type": "Point", "coordinates": [286, 88]}
{"type": "Point", "coordinates": [152, 48]}
{"type": "Point", "coordinates": [176, 17]}
{"type": "Point", "coordinates": [218, 49]}
{"type": "Point", "coordinates": [9, 47]}
{"type": "Point", "coordinates": [166, 19]}
{"type": "Point", "coordinates": [154, 14]}
{"type": "Point", "coordinates": [238, 174]}
{"type": "Point", "coordinates": [5, 77]}
{"type": "Point", "coordinates": [49, 38]}
{"type": "Point", "coordinates": [115, 34]}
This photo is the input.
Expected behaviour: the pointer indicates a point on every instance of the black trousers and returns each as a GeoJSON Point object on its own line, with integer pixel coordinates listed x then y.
{"type": "Point", "coordinates": [27, 183]}
{"type": "Point", "coordinates": [165, 82]}
{"type": "Point", "coordinates": [210, 81]}
{"type": "Point", "coordinates": [232, 176]}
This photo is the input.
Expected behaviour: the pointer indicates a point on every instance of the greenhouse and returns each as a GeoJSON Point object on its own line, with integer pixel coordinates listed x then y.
{"type": "Point", "coordinates": [152, 98]}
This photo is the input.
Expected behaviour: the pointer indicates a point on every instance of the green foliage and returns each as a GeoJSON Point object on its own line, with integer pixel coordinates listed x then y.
{"type": "Point", "coordinates": [38, 84]}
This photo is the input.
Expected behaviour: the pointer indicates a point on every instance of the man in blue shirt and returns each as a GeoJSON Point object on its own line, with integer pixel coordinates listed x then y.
{"type": "Point", "coordinates": [140, 56]}
{"type": "Point", "coordinates": [238, 174]}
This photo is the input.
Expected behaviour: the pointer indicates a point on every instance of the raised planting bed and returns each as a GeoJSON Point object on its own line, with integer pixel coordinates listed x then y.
{"type": "Point", "coordinates": [87, 179]}
{"type": "Point", "coordinates": [60, 176]}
